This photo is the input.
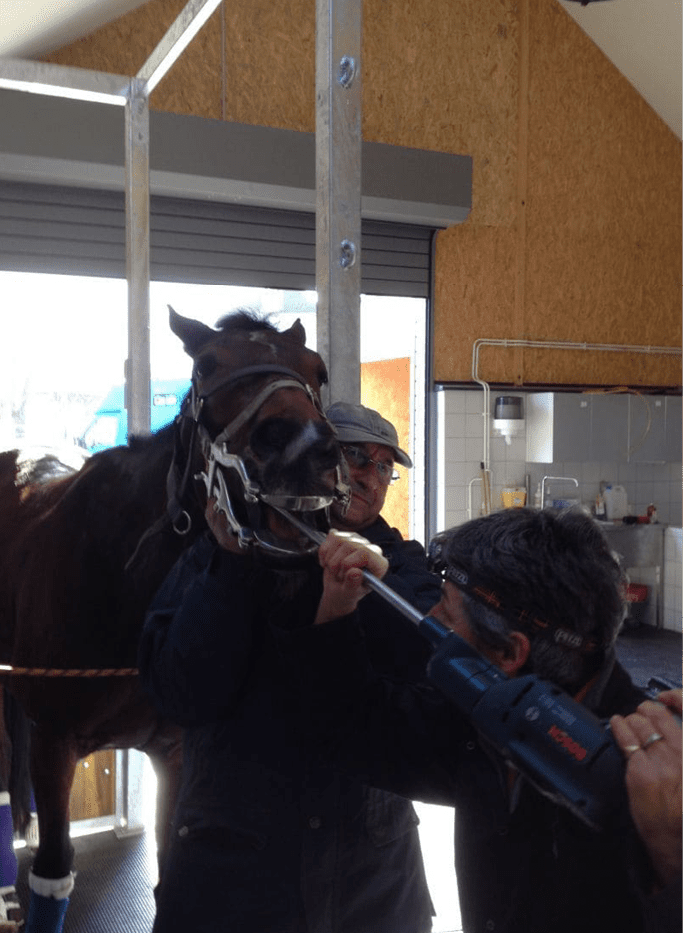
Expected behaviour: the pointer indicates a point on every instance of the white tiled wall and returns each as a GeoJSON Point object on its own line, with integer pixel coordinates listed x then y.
{"type": "Point", "coordinates": [461, 429]}
{"type": "Point", "coordinates": [461, 435]}
{"type": "Point", "coordinates": [460, 452]}
{"type": "Point", "coordinates": [673, 558]}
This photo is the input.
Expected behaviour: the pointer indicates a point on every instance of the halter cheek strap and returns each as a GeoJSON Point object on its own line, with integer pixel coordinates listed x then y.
{"type": "Point", "coordinates": [216, 455]}
{"type": "Point", "coordinates": [178, 479]}
{"type": "Point", "coordinates": [231, 429]}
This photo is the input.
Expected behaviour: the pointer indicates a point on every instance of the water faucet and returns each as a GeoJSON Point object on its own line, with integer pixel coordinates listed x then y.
{"type": "Point", "coordinates": [556, 479]}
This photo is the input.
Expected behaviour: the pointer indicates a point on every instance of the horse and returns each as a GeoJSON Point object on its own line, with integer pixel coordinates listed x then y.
{"type": "Point", "coordinates": [82, 554]}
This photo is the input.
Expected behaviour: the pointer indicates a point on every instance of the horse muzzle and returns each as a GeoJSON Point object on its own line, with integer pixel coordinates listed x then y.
{"type": "Point", "coordinates": [240, 494]}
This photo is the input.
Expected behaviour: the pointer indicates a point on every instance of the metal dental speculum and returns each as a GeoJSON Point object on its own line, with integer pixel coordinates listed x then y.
{"type": "Point", "coordinates": [220, 460]}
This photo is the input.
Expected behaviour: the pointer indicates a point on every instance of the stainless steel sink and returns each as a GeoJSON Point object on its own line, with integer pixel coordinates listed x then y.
{"type": "Point", "coordinates": [641, 550]}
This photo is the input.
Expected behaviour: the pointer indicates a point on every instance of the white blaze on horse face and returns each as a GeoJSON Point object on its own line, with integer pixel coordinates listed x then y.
{"type": "Point", "coordinates": [263, 337]}
{"type": "Point", "coordinates": [306, 437]}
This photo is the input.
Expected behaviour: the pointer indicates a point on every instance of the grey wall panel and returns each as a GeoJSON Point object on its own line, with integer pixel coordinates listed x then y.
{"type": "Point", "coordinates": [50, 140]}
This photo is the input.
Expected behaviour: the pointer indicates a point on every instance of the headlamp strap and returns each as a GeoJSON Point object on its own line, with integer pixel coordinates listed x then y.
{"type": "Point", "coordinates": [521, 617]}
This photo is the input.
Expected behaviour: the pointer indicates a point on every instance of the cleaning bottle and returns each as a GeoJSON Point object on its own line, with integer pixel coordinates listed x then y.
{"type": "Point", "coordinates": [599, 507]}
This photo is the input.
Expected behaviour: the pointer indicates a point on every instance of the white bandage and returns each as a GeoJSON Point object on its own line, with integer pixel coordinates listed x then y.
{"type": "Point", "coordinates": [59, 888]}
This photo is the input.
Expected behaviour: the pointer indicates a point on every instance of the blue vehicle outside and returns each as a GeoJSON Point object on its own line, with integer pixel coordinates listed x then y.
{"type": "Point", "coordinates": [108, 427]}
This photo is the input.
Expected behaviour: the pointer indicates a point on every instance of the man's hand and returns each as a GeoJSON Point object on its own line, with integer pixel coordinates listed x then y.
{"type": "Point", "coordinates": [344, 555]}
{"type": "Point", "coordinates": [651, 740]}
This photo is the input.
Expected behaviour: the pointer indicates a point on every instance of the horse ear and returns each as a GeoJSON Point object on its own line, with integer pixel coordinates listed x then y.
{"type": "Point", "coordinates": [193, 334]}
{"type": "Point", "coordinates": [297, 331]}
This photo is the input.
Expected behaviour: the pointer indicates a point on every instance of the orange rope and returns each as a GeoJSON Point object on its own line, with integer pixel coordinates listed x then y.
{"type": "Point", "coordinates": [68, 671]}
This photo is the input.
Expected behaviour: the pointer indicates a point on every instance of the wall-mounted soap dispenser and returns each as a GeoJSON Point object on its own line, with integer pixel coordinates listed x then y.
{"type": "Point", "coordinates": [508, 416]}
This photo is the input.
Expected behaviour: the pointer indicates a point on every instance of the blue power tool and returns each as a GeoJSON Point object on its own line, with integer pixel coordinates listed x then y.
{"type": "Point", "coordinates": [559, 746]}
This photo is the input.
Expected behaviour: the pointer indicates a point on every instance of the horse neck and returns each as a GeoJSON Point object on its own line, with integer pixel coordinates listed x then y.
{"type": "Point", "coordinates": [159, 545]}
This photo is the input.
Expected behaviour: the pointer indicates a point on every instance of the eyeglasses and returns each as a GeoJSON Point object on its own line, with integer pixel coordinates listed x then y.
{"type": "Point", "coordinates": [357, 458]}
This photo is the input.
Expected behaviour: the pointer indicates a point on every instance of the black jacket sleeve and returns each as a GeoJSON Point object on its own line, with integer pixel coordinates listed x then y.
{"type": "Point", "coordinates": [400, 737]}
{"type": "Point", "coordinates": [198, 635]}
{"type": "Point", "coordinates": [408, 574]}
{"type": "Point", "coordinates": [395, 647]}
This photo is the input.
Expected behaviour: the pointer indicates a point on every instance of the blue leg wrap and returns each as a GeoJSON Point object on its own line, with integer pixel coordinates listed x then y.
{"type": "Point", "coordinates": [8, 860]}
{"type": "Point", "coordinates": [45, 914]}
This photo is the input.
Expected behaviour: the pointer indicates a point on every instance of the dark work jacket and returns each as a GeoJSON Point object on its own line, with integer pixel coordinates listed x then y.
{"type": "Point", "coordinates": [268, 837]}
{"type": "Point", "coordinates": [524, 864]}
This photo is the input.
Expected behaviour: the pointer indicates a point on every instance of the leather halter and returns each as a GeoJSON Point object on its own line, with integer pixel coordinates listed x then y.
{"type": "Point", "coordinates": [218, 459]}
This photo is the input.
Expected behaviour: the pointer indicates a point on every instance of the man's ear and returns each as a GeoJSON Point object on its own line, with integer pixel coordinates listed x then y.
{"type": "Point", "coordinates": [516, 655]}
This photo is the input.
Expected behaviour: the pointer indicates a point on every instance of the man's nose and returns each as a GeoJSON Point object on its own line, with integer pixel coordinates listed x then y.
{"type": "Point", "coordinates": [366, 477]}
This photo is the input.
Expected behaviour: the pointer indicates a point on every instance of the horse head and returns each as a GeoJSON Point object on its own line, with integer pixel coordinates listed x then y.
{"type": "Point", "coordinates": [254, 412]}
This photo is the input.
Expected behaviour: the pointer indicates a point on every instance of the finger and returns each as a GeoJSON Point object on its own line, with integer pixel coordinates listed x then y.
{"type": "Point", "coordinates": [643, 728]}
{"type": "Point", "coordinates": [339, 553]}
{"type": "Point", "coordinates": [655, 718]}
{"type": "Point", "coordinates": [625, 737]}
{"type": "Point", "coordinates": [331, 548]}
{"type": "Point", "coordinates": [341, 557]}
{"type": "Point", "coordinates": [673, 699]}
{"type": "Point", "coordinates": [350, 537]}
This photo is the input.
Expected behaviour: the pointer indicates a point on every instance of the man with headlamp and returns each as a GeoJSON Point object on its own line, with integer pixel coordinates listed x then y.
{"type": "Point", "coordinates": [537, 592]}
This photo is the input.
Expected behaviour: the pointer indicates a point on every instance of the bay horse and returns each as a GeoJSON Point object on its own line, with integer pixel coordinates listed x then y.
{"type": "Point", "coordinates": [82, 554]}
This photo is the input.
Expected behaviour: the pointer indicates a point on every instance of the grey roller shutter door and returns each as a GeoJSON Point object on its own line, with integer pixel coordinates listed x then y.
{"type": "Point", "coordinates": [79, 231]}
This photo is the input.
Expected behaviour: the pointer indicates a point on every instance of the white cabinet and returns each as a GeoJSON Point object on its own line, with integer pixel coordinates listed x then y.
{"type": "Point", "coordinates": [647, 428]}
{"type": "Point", "coordinates": [674, 429]}
{"type": "Point", "coordinates": [609, 428]}
{"type": "Point", "coordinates": [654, 429]}
{"type": "Point", "coordinates": [623, 428]}
{"type": "Point", "coordinates": [557, 427]}
{"type": "Point", "coordinates": [575, 427]}
{"type": "Point", "coordinates": [641, 552]}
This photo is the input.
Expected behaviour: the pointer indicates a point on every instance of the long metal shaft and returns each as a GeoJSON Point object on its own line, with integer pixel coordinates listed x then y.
{"type": "Point", "coordinates": [389, 595]}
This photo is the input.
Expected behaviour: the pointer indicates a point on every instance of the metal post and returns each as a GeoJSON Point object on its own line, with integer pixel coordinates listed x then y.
{"type": "Point", "coordinates": [338, 192]}
{"type": "Point", "coordinates": [179, 35]}
{"type": "Point", "coordinates": [137, 258]}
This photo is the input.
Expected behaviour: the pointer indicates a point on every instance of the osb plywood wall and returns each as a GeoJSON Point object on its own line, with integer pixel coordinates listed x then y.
{"type": "Point", "coordinates": [385, 386]}
{"type": "Point", "coordinates": [575, 231]}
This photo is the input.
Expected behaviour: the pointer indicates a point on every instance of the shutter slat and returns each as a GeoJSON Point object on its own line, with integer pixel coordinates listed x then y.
{"type": "Point", "coordinates": [79, 231]}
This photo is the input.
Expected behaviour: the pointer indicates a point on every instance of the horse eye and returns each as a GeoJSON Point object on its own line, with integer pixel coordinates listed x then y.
{"type": "Point", "coordinates": [204, 366]}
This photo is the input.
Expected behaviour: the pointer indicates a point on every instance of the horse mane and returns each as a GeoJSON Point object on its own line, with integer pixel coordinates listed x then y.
{"type": "Point", "coordinates": [141, 443]}
{"type": "Point", "coordinates": [242, 320]}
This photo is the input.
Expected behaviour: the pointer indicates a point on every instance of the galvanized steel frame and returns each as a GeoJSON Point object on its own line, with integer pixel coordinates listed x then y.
{"type": "Point", "coordinates": [338, 193]}
{"type": "Point", "coordinates": [133, 94]}
{"type": "Point", "coordinates": [338, 181]}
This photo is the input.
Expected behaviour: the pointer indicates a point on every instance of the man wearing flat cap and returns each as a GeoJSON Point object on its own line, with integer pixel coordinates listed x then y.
{"type": "Point", "coordinates": [268, 837]}
{"type": "Point", "coordinates": [371, 449]}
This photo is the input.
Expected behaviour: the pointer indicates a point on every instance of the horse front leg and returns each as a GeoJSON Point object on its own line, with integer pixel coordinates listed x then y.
{"type": "Point", "coordinates": [11, 916]}
{"type": "Point", "coordinates": [53, 765]}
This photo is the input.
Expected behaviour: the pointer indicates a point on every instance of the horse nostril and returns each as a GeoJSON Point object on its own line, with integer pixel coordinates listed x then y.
{"type": "Point", "coordinates": [291, 441]}
{"type": "Point", "coordinates": [299, 456]}
{"type": "Point", "coordinates": [272, 437]}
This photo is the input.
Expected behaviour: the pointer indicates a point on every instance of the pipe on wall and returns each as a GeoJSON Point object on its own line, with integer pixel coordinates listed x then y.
{"type": "Point", "coordinates": [540, 344]}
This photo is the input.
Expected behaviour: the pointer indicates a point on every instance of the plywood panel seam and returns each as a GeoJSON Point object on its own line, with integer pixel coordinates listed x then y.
{"type": "Point", "coordinates": [522, 184]}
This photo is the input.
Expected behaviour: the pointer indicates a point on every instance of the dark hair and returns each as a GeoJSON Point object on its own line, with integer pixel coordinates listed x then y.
{"type": "Point", "coordinates": [244, 319]}
{"type": "Point", "coordinates": [550, 575]}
